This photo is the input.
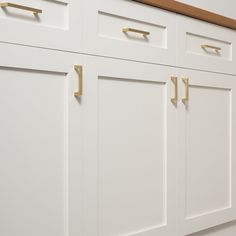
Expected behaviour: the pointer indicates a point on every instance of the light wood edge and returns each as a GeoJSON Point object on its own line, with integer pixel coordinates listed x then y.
{"type": "Point", "coordinates": [191, 11]}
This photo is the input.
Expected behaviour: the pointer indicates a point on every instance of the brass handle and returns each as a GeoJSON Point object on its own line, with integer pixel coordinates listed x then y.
{"type": "Point", "coordinates": [9, 4]}
{"type": "Point", "coordinates": [206, 46]}
{"type": "Point", "coordinates": [79, 70]}
{"type": "Point", "coordinates": [175, 98]}
{"type": "Point", "coordinates": [186, 99]}
{"type": "Point", "coordinates": [144, 33]}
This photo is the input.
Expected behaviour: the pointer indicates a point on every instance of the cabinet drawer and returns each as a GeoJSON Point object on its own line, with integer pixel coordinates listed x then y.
{"type": "Point", "coordinates": [205, 46]}
{"type": "Point", "coordinates": [44, 23]}
{"type": "Point", "coordinates": [130, 30]}
{"type": "Point", "coordinates": [113, 27]}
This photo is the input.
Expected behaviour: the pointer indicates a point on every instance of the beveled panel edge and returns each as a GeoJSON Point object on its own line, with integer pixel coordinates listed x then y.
{"type": "Point", "coordinates": [191, 11]}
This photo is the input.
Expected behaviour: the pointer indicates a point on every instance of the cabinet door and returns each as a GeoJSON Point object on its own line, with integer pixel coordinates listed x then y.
{"type": "Point", "coordinates": [207, 164]}
{"type": "Point", "coordinates": [40, 166]}
{"type": "Point", "coordinates": [53, 24]}
{"type": "Point", "coordinates": [129, 149]}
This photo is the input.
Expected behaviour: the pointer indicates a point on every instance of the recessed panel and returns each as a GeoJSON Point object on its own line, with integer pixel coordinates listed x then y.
{"type": "Point", "coordinates": [111, 26]}
{"type": "Point", "coordinates": [32, 153]}
{"type": "Point", "coordinates": [208, 155]}
{"type": "Point", "coordinates": [205, 46]}
{"type": "Point", "coordinates": [132, 156]}
{"type": "Point", "coordinates": [210, 47]}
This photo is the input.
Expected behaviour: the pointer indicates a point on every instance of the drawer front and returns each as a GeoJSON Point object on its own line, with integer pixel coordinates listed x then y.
{"type": "Point", "coordinates": [205, 46]}
{"type": "Point", "coordinates": [44, 23]}
{"type": "Point", "coordinates": [130, 30]}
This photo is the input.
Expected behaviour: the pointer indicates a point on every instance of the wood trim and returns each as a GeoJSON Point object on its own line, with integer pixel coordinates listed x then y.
{"type": "Point", "coordinates": [195, 12]}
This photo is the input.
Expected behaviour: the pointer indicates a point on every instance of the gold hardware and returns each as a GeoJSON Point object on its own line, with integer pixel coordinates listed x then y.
{"type": "Point", "coordinates": [175, 98]}
{"type": "Point", "coordinates": [9, 4]}
{"type": "Point", "coordinates": [205, 47]}
{"type": "Point", "coordinates": [144, 33]}
{"type": "Point", "coordinates": [79, 70]}
{"type": "Point", "coordinates": [186, 99]}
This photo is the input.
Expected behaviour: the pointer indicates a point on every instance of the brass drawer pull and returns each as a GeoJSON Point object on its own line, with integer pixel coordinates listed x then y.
{"type": "Point", "coordinates": [9, 4]}
{"type": "Point", "coordinates": [186, 99]}
{"type": "Point", "coordinates": [174, 100]}
{"type": "Point", "coordinates": [79, 70]}
{"type": "Point", "coordinates": [206, 46]}
{"type": "Point", "coordinates": [144, 33]}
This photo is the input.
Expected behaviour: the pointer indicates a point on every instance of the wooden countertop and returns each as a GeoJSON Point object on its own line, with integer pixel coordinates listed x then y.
{"type": "Point", "coordinates": [191, 11]}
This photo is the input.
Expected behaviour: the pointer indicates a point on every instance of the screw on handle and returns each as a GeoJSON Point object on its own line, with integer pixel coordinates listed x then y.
{"type": "Point", "coordinates": [26, 8]}
{"type": "Point", "coordinates": [186, 98]}
{"type": "Point", "coordinates": [174, 100]}
{"type": "Point", "coordinates": [144, 33]}
{"type": "Point", "coordinates": [79, 70]}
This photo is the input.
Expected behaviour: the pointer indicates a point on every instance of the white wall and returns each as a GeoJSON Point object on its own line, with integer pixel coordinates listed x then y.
{"type": "Point", "coordinates": [223, 7]}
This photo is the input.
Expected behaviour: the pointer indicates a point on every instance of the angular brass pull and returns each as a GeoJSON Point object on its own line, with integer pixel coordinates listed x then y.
{"type": "Point", "coordinates": [79, 70]}
{"type": "Point", "coordinates": [174, 100]}
{"type": "Point", "coordinates": [206, 46]}
{"type": "Point", "coordinates": [9, 4]}
{"type": "Point", "coordinates": [144, 33]}
{"type": "Point", "coordinates": [186, 99]}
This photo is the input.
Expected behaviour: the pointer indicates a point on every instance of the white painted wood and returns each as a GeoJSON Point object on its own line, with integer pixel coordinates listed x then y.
{"type": "Point", "coordinates": [129, 149]}
{"type": "Point", "coordinates": [40, 154]}
{"type": "Point", "coordinates": [194, 33]}
{"type": "Point", "coordinates": [111, 26]}
{"type": "Point", "coordinates": [206, 163]}
{"type": "Point", "coordinates": [59, 26]}
{"type": "Point", "coordinates": [105, 19]}
{"type": "Point", "coordinates": [223, 7]}
{"type": "Point", "coordinates": [197, 45]}
{"type": "Point", "coordinates": [112, 163]}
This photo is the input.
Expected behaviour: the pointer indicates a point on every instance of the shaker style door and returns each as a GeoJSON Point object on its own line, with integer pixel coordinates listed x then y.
{"type": "Point", "coordinates": [40, 162]}
{"type": "Point", "coordinates": [207, 154]}
{"type": "Point", "coordinates": [129, 149]}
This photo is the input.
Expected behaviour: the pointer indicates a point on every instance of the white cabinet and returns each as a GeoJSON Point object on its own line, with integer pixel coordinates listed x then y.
{"type": "Point", "coordinates": [55, 24]}
{"type": "Point", "coordinates": [129, 149]}
{"type": "Point", "coordinates": [206, 153]}
{"type": "Point", "coordinates": [40, 123]}
{"type": "Point", "coordinates": [126, 155]}
{"type": "Point", "coordinates": [153, 164]}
